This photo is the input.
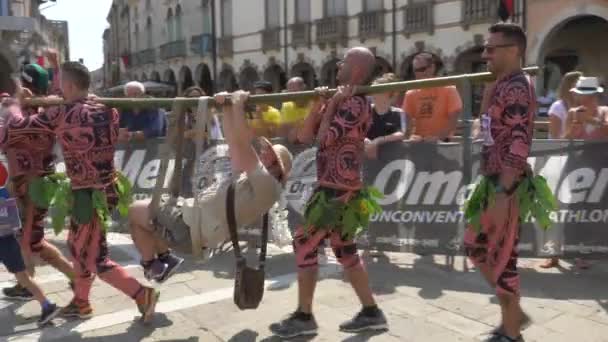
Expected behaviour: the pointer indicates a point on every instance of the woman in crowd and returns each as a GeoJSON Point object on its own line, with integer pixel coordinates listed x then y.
{"type": "Point", "coordinates": [558, 112]}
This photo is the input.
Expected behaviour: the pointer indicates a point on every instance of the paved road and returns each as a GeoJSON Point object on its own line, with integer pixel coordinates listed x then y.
{"type": "Point", "coordinates": [426, 298]}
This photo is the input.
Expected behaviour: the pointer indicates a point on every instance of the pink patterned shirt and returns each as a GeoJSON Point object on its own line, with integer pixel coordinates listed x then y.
{"type": "Point", "coordinates": [340, 153]}
{"type": "Point", "coordinates": [508, 125]}
{"type": "Point", "coordinates": [31, 152]}
{"type": "Point", "coordinates": [87, 132]}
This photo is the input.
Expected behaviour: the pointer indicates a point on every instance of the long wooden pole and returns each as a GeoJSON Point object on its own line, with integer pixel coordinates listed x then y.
{"type": "Point", "coordinates": [284, 97]}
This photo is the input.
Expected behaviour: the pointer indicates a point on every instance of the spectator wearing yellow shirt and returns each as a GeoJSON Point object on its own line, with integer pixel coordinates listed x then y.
{"type": "Point", "coordinates": [265, 120]}
{"type": "Point", "coordinates": [294, 112]}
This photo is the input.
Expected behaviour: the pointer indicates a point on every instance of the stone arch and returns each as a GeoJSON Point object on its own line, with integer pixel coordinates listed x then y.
{"type": "Point", "coordinates": [382, 67]}
{"type": "Point", "coordinates": [562, 50]}
{"type": "Point", "coordinates": [248, 75]}
{"type": "Point", "coordinates": [277, 76]}
{"type": "Point", "coordinates": [307, 72]}
{"type": "Point", "coordinates": [169, 78]}
{"type": "Point", "coordinates": [227, 79]}
{"type": "Point", "coordinates": [203, 78]}
{"type": "Point", "coordinates": [470, 61]}
{"type": "Point", "coordinates": [185, 78]}
{"type": "Point", "coordinates": [155, 76]}
{"type": "Point", "coordinates": [329, 73]}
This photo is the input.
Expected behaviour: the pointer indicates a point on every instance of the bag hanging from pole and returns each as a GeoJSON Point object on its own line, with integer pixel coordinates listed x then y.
{"type": "Point", "coordinates": [248, 281]}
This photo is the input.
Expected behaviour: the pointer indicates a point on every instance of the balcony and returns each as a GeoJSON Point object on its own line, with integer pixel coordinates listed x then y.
{"type": "Point", "coordinates": [9, 23]}
{"type": "Point", "coordinates": [144, 57]}
{"type": "Point", "coordinates": [478, 11]}
{"type": "Point", "coordinates": [418, 17]}
{"type": "Point", "coordinates": [202, 44]}
{"type": "Point", "coordinates": [225, 47]}
{"type": "Point", "coordinates": [271, 39]}
{"type": "Point", "coordinates": [332, 31]}
{"type": "Point", "coordinates": [371, 25]}
{"type": "Point", "coordinates": [173, 49]}
{"type": "Point", "coordinates": [300, 34]}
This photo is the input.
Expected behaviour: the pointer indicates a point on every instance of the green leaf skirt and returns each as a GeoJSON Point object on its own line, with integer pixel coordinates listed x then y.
{"type": "Point", "coordinates": [325, 211]}
{"type": "Point", "coordinates": [534, 197]}
{"type": "Point", "coordinates": [55, 192]}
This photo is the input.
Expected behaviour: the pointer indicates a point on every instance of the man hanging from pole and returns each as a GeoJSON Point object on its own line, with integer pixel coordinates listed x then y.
{"type": "Point", "coordinates": [340, 205]}
{"type": "Point", "coordinates": [507, 128]}
{"type": "Point", "coordinates": [87, 132]}
{"type": "Point", "coordinates": [30, 155]}
{"type": "Point", "coordinates": [262, 175]}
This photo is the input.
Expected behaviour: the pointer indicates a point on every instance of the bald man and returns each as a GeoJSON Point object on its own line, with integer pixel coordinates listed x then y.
{"type": "Point", "coordinates": [340, 125]}
{"type": "Point", "coordinates": [293, 113]}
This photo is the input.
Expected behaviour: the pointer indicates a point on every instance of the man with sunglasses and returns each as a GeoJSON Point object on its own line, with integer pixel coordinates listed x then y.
{"type": "Point", "coordinates": [433, 112]}
{"type": "Point", "coordinates": [261, 172]}
{"type": "Point", "coordinates": [507, 128]}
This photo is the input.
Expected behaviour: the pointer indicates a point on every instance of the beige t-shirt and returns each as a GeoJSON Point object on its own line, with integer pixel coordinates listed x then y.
{"type": "Point", "coordinates": [255, 193]}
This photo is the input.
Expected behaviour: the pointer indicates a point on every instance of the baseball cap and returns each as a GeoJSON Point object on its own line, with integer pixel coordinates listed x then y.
{"type": "Point", "coordinates": [263, 85]}
{"type": "Point", "coordinates": [35, 78]}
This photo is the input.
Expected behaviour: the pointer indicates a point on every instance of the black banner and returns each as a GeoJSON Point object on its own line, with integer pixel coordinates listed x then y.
{"type": "Point", "coordinates": [425, 186]}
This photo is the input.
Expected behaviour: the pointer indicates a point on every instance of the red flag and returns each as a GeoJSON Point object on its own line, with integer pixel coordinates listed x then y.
{"type": "Point", "coordinates": [506, 9]}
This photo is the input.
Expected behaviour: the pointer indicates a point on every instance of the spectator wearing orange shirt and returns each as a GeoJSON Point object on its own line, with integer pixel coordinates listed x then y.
{"type": "Point", "coordinates": [433, 112]}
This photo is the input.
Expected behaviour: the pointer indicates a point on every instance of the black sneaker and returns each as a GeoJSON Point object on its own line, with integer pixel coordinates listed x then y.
{"type": "Point", "coordinates": [173, 262]}
{"type": "Point", "coordinates": [17, 292]}
{"type": "Point", "coordinates": [362, 322]}
{"type": "Point", "coordinates": [294, 326]}
{"type": "Point", "coordinates": [525, 323]}
{"type": "Point", "coordinates": [47, 315]}
{"type": "Point", "coordinates": [503, 338]}
{"type": "Point", "coordinates": [155, 271]}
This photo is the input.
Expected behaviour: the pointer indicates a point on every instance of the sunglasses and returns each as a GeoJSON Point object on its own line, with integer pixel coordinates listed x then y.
{"type": "Point", "coordinates": [492, 48]}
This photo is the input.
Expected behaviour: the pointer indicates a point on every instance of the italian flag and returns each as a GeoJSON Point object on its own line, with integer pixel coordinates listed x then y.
{"type": "Point", "coordinates": [506, 9]}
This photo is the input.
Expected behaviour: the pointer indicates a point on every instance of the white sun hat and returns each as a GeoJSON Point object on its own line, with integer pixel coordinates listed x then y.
{"type": "Point", "coordinates": [587, 86]}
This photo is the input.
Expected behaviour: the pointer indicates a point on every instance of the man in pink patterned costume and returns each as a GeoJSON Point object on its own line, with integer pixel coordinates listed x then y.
{"type": "Point", "coordinates": [340, 127]}
{"type": "Point", "coordinates": [87, 132]}
{"type": "Point", "coordinates": [507, 128]}
{"type": "Point", "coordinates": [30, 155]}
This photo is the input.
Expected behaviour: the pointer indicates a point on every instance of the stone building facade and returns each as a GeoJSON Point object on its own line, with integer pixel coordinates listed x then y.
{"type": "Point", "coordinates": [24, 32]}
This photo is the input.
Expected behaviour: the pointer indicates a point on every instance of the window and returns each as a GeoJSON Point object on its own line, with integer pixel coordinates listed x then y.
{"type": "Point", "coordinates": [178, 23]}
{"type": "Point", "coordinates": [302, 11]}
{"type": "Point", "coordinates": [149, 33]}
{"type": "Point", "coordinates": [170, 29]}
{"type": "Point", "coordinates": [273, 13]}
{"type": "Point", "coordinates": [334, 8]}
{"type": "Point", "coordinates": [226, 11]}
{"type": "Point", "coordinates": [206, 7]}
{"type": "Point", "coordinates": [373, 5]}
{"type": "Point", "coordinates": [4, 8]}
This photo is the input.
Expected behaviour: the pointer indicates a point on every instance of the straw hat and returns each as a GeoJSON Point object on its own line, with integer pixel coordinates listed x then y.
{"type": "Point", "coordinates": [283, 156]}
{"type": "Point", "coordinates": [587, 86]}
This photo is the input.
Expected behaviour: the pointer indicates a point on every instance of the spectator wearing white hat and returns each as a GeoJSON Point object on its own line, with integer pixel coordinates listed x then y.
{"type": "Point", "coordinates": [589, 120]}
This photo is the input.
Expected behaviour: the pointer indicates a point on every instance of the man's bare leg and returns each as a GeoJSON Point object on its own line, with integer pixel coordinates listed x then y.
{"type": "Point", "coordinates": [144, 241]}
{"type": "Point", "coordinates": [307, 282]}
{"type": "Point", "coordinates": [359, 280]}
{"type": "Point", "coordinates": [53, 256]}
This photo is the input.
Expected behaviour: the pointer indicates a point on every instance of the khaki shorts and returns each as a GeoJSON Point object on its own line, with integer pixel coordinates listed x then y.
{"type": "Point", "coordinates": [255, 194]}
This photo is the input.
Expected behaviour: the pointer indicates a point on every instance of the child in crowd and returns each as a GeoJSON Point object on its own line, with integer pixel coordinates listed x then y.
{"type": "Point", "coordinates": [10, 252]}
